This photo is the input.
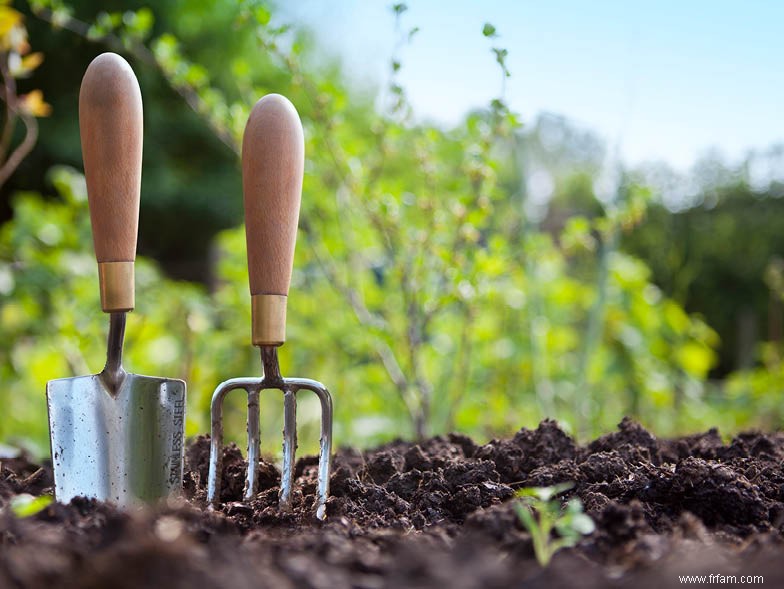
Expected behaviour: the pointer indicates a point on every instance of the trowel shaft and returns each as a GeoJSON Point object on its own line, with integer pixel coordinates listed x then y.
{"type": "Point", "coordinates": [113, 372]}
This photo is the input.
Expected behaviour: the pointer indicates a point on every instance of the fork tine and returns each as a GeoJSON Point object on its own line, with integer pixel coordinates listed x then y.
{"type": "Point", "coordinates": [216, 432]}
{"type": "Point", "coordinates": [325, 450]}
{"type": "Point", "coordinates": [216, 458]}
{"type": "Point", "coordinates": [289, 447]}
{"type": "Point", "coordinates": [254, 442]}
{"type": "Point", "coordinates": [325, 442]}
{"type": "Point", "coordinates": [216, 444]}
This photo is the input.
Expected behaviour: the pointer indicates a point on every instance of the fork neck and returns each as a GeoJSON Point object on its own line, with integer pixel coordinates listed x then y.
{"type": "Point", "coordinates": [113, 372]}
{"type": "Point", "coordinates": [269, 360]}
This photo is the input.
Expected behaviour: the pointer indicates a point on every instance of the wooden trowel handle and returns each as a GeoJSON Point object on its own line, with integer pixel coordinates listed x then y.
{"type": "Point", "coordinates": [273, 160]}
{"type": "Point", "coordinates": [110, 124]}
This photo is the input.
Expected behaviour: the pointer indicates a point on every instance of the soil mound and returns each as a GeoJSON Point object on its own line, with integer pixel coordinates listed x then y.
{"type": "Point", "coordinates": [435, 514]}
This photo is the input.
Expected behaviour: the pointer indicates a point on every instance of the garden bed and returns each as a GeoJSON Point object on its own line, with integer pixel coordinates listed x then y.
{"type": "Point", "coordinates": [438, 514]}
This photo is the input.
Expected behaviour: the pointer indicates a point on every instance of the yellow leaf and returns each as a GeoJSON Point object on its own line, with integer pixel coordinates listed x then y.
{"type": "Point", "coordinates": [33, 103]}
{"type": "Point", "coordinates": [21, 67]}
{"type": "Point", "coordinates": [9, 18]}
{"type": "Point", "coordinates": [12, 33]}
{"type": "Point", "coordinates": [15, 39]}
{"type": "Point", "coordinates": [32, 61]}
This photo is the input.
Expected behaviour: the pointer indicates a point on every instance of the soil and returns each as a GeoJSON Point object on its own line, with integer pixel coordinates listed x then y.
{"type": "Point", "coordinates": [435, 514]}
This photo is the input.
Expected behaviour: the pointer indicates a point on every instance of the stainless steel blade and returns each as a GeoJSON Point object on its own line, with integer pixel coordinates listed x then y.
{"type": "Point", "coordinates": [125, 447]}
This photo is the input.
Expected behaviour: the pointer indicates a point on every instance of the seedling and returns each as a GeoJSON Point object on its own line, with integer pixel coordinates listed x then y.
{"type": "Point", "coordinates": [541, 514]}
{"type": "Point", "coordinates": [26, 505]}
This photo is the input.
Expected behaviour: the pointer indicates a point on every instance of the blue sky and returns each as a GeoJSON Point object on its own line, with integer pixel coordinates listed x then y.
{"type": "Point", "coordinates": [664, 80]}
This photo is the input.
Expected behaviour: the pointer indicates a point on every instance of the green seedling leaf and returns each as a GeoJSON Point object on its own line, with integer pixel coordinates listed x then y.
{"type": "Point", "coordinates": [541, 514]}
{"type": "Point", "coordinates": [544, 493]}
{"type": "Point", "coordinates": [576, 519]}
{"type": "Point", "coordinates": [26, 505]}
{"type": "Point", "coordinates": [528, 492]}
{"type": "Point", "coordinates": [583, 524]}
{"type": "Point", "coordinates": [525, 515]}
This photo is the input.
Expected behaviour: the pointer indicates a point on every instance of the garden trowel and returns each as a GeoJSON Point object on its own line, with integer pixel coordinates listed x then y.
{"type": "Point", "coordinates": [115, 436]}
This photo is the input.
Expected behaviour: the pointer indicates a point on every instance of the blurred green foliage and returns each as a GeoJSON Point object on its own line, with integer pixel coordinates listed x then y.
{"type": "Point", "coordinates": [430, 293]}
{"type": "Point", "coordinates": [713, 257]}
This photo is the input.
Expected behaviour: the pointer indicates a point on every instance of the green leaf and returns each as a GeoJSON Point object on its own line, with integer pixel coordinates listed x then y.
{"type": "Point", "coordinates": [26, 505]}
{"type": "Point", "coordinates": [583, 524]}
{"type": "Point", "coordinates": [96, 32]}
{"type": "Point", "coordinates": [262, 15]}
{"type": "Point", "coordinates": [60, 17]}
{"type": "Point", "coordinates": [696, 359]}
{"type": "Point", "coordinates": [573, 523]}
{"type": "Point", "coordinates": [526, 516]}
{"type": "Point", "coordinates": [577, 234]}
{"type": "Point", "coordinates": [500, 57]}
{"type": "Point", "coordinates": [489, 30]}
{"type": "Point", "coordinates": [498, 105]}
{"type": "Point", "coordinates": [139, 23]}
{"type": "Point", "coordinates": [545, 493]}
{"type": "Point", "coordinates": [197, 76]}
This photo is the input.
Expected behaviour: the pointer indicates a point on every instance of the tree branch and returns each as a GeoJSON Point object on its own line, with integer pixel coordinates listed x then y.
{"type": "Point", "coordinates": [9, 93]}
{"type": "Point", "coordinates": [24, 148]}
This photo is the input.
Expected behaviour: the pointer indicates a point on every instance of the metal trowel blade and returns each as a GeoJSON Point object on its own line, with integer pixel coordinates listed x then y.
{"type": "Point", "coordinates": [126, 448]}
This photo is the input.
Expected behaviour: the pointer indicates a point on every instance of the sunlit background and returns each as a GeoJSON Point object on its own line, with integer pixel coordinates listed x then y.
{"type": "Point", "coordinates": [511, 211]}
{"type": "Point", "coordinates": [667, 81]}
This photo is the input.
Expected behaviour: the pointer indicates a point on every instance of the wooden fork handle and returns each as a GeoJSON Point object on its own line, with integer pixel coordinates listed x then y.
{"type": "Point", "coordinates": [273, 160]}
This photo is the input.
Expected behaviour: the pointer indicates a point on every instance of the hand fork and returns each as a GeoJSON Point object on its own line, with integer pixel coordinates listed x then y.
{"type": "Point", "coordinates": [272, 169]}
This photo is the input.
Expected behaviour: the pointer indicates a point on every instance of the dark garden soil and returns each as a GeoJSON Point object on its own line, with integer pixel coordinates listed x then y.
{"type": "Point", "coordinates": [437, 514]}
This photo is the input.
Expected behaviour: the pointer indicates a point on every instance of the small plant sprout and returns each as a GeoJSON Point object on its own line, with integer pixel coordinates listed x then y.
{"type": "Point", "coordinates": [541, 514]}
{"type": "Point", "coordinates": [26, 505]}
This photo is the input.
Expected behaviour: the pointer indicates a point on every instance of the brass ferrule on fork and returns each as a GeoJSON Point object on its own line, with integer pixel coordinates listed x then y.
{"type": "Point", "coordinates": [268, 316]}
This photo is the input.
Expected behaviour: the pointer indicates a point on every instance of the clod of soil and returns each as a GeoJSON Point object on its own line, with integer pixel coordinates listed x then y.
{"type": "Point", "coordinates": [435, 514]}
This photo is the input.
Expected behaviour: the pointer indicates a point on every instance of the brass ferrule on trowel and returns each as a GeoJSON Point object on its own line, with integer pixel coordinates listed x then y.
{"type": "Point", "coordinates": [268, 318]}
{"type": "Point", "coordinates": [117, 286]}
{"type": "Point", "coordinates": [116, 281]}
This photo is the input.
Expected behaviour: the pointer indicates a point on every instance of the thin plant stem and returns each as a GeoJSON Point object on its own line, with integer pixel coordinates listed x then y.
{"type": "Point", "coordinates": [583, 393]}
